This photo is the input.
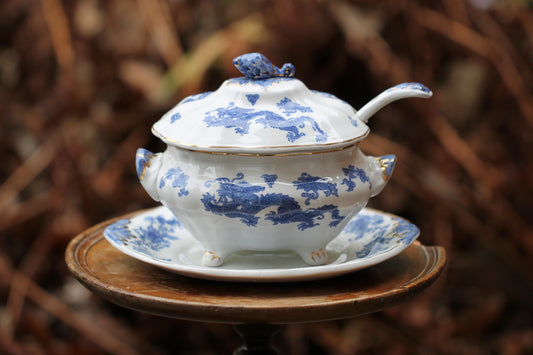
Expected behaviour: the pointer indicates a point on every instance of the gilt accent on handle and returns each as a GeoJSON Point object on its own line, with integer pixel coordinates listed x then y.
{"type": "Point", "coordinates": [142, 161]}
{"type": "Point", "coordinates": [386, 164]}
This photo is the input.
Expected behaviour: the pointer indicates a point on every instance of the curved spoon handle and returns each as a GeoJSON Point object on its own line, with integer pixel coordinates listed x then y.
{"type": "Point", "coordinates": [400, 91]}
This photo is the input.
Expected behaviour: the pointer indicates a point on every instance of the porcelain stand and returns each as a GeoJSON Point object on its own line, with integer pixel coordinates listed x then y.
{"type": "Point", "coordinates": [256, 310]}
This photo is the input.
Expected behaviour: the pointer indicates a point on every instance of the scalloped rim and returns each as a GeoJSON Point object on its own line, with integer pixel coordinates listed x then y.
{"type": "Point", "coordinates": [261, 150]}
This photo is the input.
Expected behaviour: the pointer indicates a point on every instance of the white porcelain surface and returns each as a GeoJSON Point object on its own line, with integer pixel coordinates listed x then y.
{"type": "Point", "coordinates": [158, 238]}
{"type": "Point", "coordinates": [295, 202]}
{"type": "Point", "coordinates": [268, 111]}
{"type": "Point", "coordinates": [263, 163]}
{"type": "Point", "coordinates": [275, 115]}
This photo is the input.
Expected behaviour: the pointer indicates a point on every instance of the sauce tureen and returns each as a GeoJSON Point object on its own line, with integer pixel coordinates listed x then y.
{"type": "Point", "coordinates": [265, 164]}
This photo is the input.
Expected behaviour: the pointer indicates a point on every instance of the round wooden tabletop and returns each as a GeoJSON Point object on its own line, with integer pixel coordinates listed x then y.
{"type": "Point", "coordinates": [134, 284]}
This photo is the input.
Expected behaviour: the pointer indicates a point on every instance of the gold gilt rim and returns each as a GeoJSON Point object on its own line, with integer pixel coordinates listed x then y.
{"type": "Point", "coordinates": [206, 149]}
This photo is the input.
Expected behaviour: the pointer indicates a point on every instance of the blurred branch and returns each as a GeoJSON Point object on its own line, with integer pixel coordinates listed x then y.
{"type": "Point", "coordinates": [57, 22]}
{"type": "Point", "coordinates": [51, 304]}
{"type": "Point", "coordinates": [193, 66]}
{"type": "Point", "coordinates": [155, 14]}
{"type": "Point", "coordinates": [486, 175]}
{"type": "Point", "coordinates": [30, 168]}
{"type": "Point", "coordinates": [426, 181]}
{"type": "Point", "coordinates": [483, 174]}
{"type": "Point", "coordinates": [487, 178]}
{"type": "Point", "coordinates": [108, 177]}
{"type": "Point", "coordinates": [80, 80]}
{"type": "Point", "coordinates": [20, 212]}
{"type": "Point", "coordinates": [482, 46]}
{"type": "Point", "coordinates": [364, 41]}
{"type": "Point", "coordinates": [492, 30]}
{"type": "Point", "coordinates": [458, 10]}
{"type": "Point", "coordinates": [19, 285]}
{"type": "Point", "coordinates": [394, 71]}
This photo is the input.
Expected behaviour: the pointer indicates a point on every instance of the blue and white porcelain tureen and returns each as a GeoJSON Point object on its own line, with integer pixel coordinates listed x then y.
{"type": "Point", "coordinates": [265, 164]}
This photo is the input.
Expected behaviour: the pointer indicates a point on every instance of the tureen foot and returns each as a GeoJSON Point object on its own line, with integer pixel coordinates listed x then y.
{"type": "Point", "coordinates": [314, 257]}
{"type": "Point", "coordinates": [212, 258]}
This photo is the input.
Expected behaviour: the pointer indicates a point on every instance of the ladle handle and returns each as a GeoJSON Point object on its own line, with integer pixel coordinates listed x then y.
{"type": "Point", "coordinates": [400, 91]}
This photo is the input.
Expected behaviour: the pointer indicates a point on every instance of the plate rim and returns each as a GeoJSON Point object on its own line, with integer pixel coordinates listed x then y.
{"type": "Point", "coordinates": [305, 273]}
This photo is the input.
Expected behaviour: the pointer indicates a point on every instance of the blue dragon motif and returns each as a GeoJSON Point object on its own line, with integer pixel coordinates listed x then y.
{"type": "Point", "coordinates": [241, 119]}
{"type": "Point", "coordinates": [352, 173]}
{"type": "Point", "coordinates": [236, 198]}
{"type": "Point", "coordinates": [306, 218]}
{"type": "Point", "coordinates": [289, 107]}
{"type": "Point", "coordinates": [179, 180]}
{"type": "Point", "coordinates": [312, 185]}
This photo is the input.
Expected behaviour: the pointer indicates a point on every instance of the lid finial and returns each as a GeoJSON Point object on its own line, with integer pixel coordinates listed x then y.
{"type": "Point", "coordinates": [257, 66]}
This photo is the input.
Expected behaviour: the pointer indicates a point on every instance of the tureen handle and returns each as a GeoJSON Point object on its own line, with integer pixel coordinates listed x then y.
{"type": "Point", "coordinates": [257, 66]}
{"type": "Point", "coordinates": [148, 165]}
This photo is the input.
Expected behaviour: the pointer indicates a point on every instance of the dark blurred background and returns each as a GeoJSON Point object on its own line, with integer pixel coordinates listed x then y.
{"type": "Point", "coordinates": [81, 83]}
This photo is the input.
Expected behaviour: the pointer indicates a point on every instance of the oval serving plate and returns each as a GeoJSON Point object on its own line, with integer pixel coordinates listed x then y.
{"type": "Point", "coordinates": [157, 237]}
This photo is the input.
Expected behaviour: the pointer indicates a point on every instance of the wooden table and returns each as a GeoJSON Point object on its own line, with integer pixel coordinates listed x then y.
{"type": "Point", "coordinates": [257, 310]}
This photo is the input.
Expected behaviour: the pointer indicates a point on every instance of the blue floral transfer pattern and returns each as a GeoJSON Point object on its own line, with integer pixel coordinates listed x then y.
{"type": "Point", "coordinates": [414, 86]}
{"type": "Point", "coordinates": [328, 95]}
{"type": "Point", "coordinates": [252, 98]}
{"type": "Point", "coordinates": [157, 237]}
{"type": "Point", "coordinates": [196, 97]}
{"type": "Point", "coordinates": [264, 83]}
{"type": "Point", "coordinates": [153, 235]}
{"type": "Point", "coordinates": [236, 198]}
{"type": "Point", "coordinates": [176, 116]}
{"type": "Point", "coordinates": [241, 119]}
{"type": "Point", "coordinates": [362, 224]}
{"type": "Point", "coordinates": [118, 231]}
{"type": "Point", "coordinates": [379, 233]}
{"type": "Point", "coordinates": [178, 178]}
{"type": "Point", "coordinates": [325, 94]}
{"type": "Point", "coordinates": [354, 121]}
{"type": "Point", "coordinates": [270, 179]}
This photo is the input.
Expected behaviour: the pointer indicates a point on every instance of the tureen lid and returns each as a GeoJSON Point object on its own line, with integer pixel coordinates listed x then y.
{"type": "Point", "coordinates": [267, 111]}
